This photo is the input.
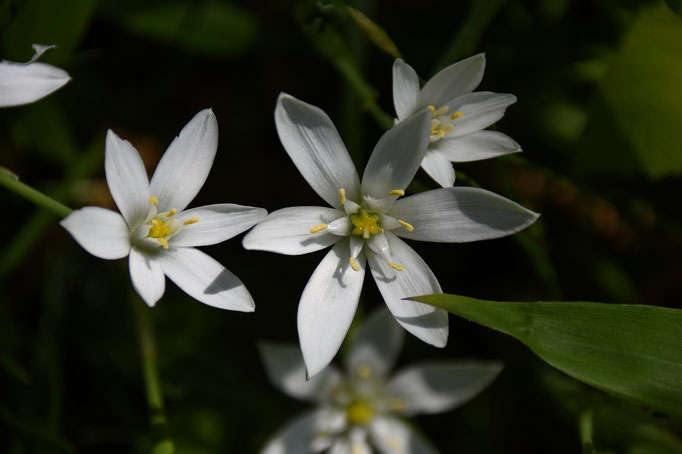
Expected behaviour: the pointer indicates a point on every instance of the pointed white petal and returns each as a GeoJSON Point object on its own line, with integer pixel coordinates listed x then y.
{"type": "Point", "coordinates": [185, 165]}
{"type": "Point", "coordinates": [216, 223]}
{"type": "Point", "coordinates": [475, 146]}
{"type": "Point", "coordinates": [392, 436]}
{"type": "Point", "coordinates": [316, 148]}
{"type": "Point", "coordinates": [479, 110]}
{"type": "Point", "coordinates": [439, 168]}
{"type": "Point", "coordinates": [205, 280]}
{"type": "Point", "coordinates": [26, 83]}
{"type": "Point", "coordinates": [127, 179]}
{"type": "Point", "coordinates": [328, 305]}
{"type": "Point", "coordinates": [426, 322]}
{"type": "Point", "coordinates": [397, 156]}
{"type": "Point", "coordinates": [103, 233]}
{"type": "Point", "coordinates": [297, 435]}
{"type": "Point", "coordinates": [287, 231]}
{"type": "Point", "coordinates": [455, 80]}
{"type": "Point", "coordinates": [435, 387]}
{"type": "Point", "coordinates": [377, 344]}
{"type": "Point", "coordinates": [459, 215]}
{"type": "Point", "coordinates": [405, 89]}
{"type": "Point", "coordinates": [286, 371]}
{"type": "Point", "coordinates": [147, 276]}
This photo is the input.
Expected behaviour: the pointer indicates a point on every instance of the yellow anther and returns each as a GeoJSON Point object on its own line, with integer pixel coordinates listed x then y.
{"type": "Point", "coordinates": [318, 228]}
{"type": "Point", "coordinates": [396, 443]}
{"type": "Point", "coordinates": [407, 225]}
{"type": "Point", "coordinates": [158, 229]}
{"type": "Point", "coordinates": [395, 266]}
{"type": "Point", "coordinates": [342, 196]}
{"type": "Point", "coordinates": [359, 412]}
{"type": "Point", "coordinates": [354, 265]}
{"type": "Point", "coordinates": [441, 133]}
{"type": "Point", "coordinates": [432, 108]}
{"type": "Point", "coordinates": [191, 221]}
{"type": "Point", "coordinates": [397, 404]}
{"type": "Point", "coordinates": [163, 242]}
{"type": "Point", "coordinates": [456, 115]}
{"type": "Point", "coordinates": [365, 223]}
{"type": "Point", "coordinates": [153, 200]}
{"type": "Point", "coordinates": [399, 192]}
{"type": "Point", "coordinates": [363, 371]}
{"type": "Point", "coordinates": [171, 213]}
{"type": "Point", "coordinates": [447, 128]}
{"type": "Point", "coordinates": [442, 111]}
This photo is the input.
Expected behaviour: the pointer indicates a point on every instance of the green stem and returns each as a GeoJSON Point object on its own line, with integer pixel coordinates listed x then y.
{"type": "Point", "coordinates": [11, 182]}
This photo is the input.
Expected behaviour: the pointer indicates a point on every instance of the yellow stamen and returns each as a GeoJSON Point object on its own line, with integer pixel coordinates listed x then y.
{"type": "Point", "coordinates": [456, 115]}
{"type": "Point", "coordinates": [191, 221]}
{"type": "Point", "coordinates": [364, 371]}
{"type": "Point", "coordinates": [159, 229]}
{"type": "Point", "coordinates": [432, 109]}
{"type": "Point", "coordinates": [396, 443]}
{"type": "Point", "coordinates": [154, 201]}
{"type": "Point", "coordinates": [171, 213]}
{"type": "Point", "coordinates": [399, 192]}
{"type": "Point", "coordinates": [447, 128]}
{"type": "Point", "coordinates": [395, 266]}
{"type": "Point", "coordinates": [342, 196]}
{"type": "Point", "coordinates": [318, 228]}
{"type": "Point", "coordinates": [359, 412]}
{"type": "Point", "coordinates": [443, 110]}
{"type": "Point", "coordinates": [407, 225]}
{"type": "Point", "coordinates": [397, 404]}
{"type": "Point", "coordinates": [163, 242]}
{"type": "Point", "coordinates": [354, 265]}
{"type": "Point", "coordinates": [365, 223]}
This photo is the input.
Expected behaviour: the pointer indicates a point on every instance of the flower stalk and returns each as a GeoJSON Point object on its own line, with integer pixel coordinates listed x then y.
{"type": "Point", "coordinates": [11, 181]}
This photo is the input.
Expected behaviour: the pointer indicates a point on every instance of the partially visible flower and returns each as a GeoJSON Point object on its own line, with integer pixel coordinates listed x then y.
{"type": "Point", "coordinates": [366, 406]}
{"type": "Point", "coordinates": [458, 116]}
{"type": "Point", "coordinates": [24, 83]}
{"type": "Point", "coordinates": [366, 221]}
{"type": "Point", "coordinates": [154, 228]}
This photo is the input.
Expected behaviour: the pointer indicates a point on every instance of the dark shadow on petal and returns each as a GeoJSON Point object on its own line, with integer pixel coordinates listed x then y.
{"type": "Point", "coordinates": [224, 281]}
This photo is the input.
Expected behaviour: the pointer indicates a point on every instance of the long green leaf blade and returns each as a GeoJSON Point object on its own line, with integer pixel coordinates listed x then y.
{"type": "Point", "coordinates": [631, 351]}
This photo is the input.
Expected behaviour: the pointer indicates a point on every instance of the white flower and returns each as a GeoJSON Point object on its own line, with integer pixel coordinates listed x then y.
{"type": "Point", "coordinates": [365, 221]}
{"type": "Point", "coordinates": [458, 116]}
{"type": "Point", "coordinates": [362, 407]}
{"type": "Point", "coordinates": [24, 83]}
{"type": "Point", "coordinates": [154, 228]}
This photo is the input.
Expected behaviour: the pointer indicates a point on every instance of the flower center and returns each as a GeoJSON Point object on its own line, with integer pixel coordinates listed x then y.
{"type": "Point", "coordinates": [359, 412]}
{"type": "Point", "coordinates": [162, 226]}
{"type": "Point", "coordinates": [365, 223]}
{"type": "Point", "coordinates": [441, 123]}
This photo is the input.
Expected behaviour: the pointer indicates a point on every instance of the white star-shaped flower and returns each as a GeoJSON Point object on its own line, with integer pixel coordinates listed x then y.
{"type": "Point", "coordinates": [24, 83]}
{"type": "Point", "coordinates": [365, 221]}
{"type": "Point", "coordinates": [156, 231]}
{"type": "Point", "coordinates": [458, 116]}
{"type": "Point", "coordinates": [365, 405]}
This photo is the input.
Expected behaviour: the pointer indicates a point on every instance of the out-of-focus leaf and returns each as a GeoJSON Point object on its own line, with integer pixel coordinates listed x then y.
{"type": "Point", "coordinates": [60, 22]}
{"type": "Point", "coordinates": [634, 123]}
{"type": "Point", "coordinates": [214, 28]}
{"type": "Point", "coordinates": [675, 5]}
{"type": "Point", "coordinates": [375, 33]}
{"type": "Point", "coordinates": [631, 351]}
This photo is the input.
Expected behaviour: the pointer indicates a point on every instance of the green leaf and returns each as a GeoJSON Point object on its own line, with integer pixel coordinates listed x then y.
{"type": "Point", "coordinates": [675, 5]}
{"type": "Point", "coordinates": [631, 351]}
{"type": "Point", "coordinates": [213, 28]}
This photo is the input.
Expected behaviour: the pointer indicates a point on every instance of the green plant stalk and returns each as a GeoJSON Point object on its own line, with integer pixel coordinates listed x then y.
{"type": "Point", "coordinates": [586, 427]}
{"type": "Point", "coordinates": [11, 182]}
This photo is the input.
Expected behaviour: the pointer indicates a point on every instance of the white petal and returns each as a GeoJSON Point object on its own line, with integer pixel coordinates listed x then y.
{"type": "Point", "coordinates": [316, 148]}
{"type": "Point", "coordinates": [127, 179]}
{"type": "Point", "coordinates": [298, 434]}
{"type": "Point", "coordinates": [479, 110]}
{"type": "Point", "coordinates": [397, 156]}
{"type": "Point", "coordinates": [341, 226]}
{"type": "Point", "coordinates": [426, 322]}
{"type": "Point", "coordinates": [205, 280]}
{"type": "Point", "coordinates": [436, 387]}
{"type": "Point", "coordinates": [379, 245]}
{"type": "Point", "coordinates": [186, 163]}
{"type": "Point", "coordinates": [147, 276]}
{"type": "Point", "coordinates": [459, 215]}
{"type": "Point", "coordinates": [439, 168]}
{"type": "Point", "coordinates": [286, 371]}
{"type": "Point", "coordinates": [377, 344]}
{"type": "Point", "coordinates": [405, 89]}
{"type": "Point", "coordinates": [475, 146]}
{"type": "Point", "coordinates": [455, 80]}
{"type": "Point", "coordinates": [328, 305]}
{"type": "Point", "coordinates": [26, 83]}
{"type": "Point", "coordinates": [347, 445]}
{"type": "Point", "coordinates": [287, 231]}
{"type": "Point", "coordinates": [101, 232]}
{"type": "Point", "coordinates": [216, 224]}
{"type": "Point", "coordinates": [392, 436]}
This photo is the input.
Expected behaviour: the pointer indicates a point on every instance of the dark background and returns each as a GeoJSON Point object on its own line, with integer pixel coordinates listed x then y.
{"type": "Point", "coordinates": [599, 117]}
